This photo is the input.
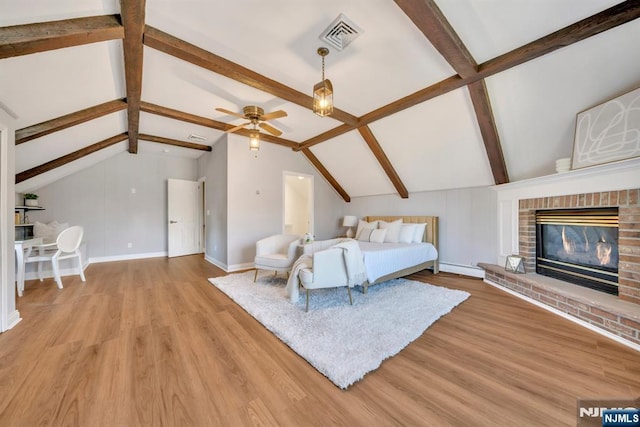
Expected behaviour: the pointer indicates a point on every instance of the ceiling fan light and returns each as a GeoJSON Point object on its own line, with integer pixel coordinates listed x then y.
{"type": "Point", "coordinates": [254, 140]}
{"type": "Point", "coordinates": [323, 98]}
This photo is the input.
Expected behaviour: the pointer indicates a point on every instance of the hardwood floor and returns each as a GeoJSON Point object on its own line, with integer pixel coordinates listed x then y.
{"type": "Point", "coordinates": [151, 342]}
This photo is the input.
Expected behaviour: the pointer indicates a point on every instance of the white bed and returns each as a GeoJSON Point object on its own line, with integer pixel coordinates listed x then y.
{"type": "Point", "coordinates": [385, 261]}
{"type": "Point", "coordinates": [382, 259]}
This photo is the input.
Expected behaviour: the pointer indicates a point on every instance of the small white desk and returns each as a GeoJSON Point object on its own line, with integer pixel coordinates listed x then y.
{"type": "Point", "coordinates": [21, 246]}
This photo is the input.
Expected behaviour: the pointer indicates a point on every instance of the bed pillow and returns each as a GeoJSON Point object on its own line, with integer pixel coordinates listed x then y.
{"type": "Point", "coordinates": [419, 233]}
{"type": "Point", "coordinates": [378, 235]}
{"type": "Point", "coordinates": [406, 233]}
{"type": "Point", "coordinates": [48, 232]}
{"type": "Point", "coordinates": [393, 230]}
{"type": "Point", "coordinates": [364, 234]}
{"type": "Point", "coordinates": [364, 224]}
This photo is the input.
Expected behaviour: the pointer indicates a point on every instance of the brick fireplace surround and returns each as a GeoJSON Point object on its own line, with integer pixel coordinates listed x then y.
{"type": "Point", "coordinates": [617, 315]}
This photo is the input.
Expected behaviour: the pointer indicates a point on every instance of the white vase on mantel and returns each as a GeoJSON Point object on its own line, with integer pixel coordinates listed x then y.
{"type": "Point", "coordinates": [31, 202]}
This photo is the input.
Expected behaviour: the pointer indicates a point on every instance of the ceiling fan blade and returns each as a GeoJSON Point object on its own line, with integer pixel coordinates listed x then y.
{"type": "Point", "coordinates": [240, 126]}
{"type": "Point", "coordinates": [231, 113]}
{"type": "Point", "coordinates": [273, 131]}
{"type": "Point", "coordinates": [274, 115]}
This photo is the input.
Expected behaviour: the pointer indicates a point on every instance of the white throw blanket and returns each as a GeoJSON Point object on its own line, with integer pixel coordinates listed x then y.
{"type": "Point", "coordinates": [305, 261]}
{"type": "Point", "coordinates": [353, 261]}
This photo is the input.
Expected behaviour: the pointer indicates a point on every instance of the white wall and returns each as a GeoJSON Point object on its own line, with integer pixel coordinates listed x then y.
{"type": "Point", "coordinates": [467, 222]}
{"type": "Point", "coordinates": [9, 316]}
{"type": "Point", "coordinates": [118, 201]}
{"type": "Point", "coordinates": [213, 168]}
{"type": "Point", "coordinates": [255, 199]}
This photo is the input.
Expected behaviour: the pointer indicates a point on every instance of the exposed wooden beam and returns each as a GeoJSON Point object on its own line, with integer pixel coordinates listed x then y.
{"type": "Point", "coordinates": [486, 122]}
{"type": "Point", "coordinates": [187, 52]}
{"type": "Point", "coordinates": [324, 172]}
{"type": "Point", "coordinates": [603, 21]}
{"type": "Point", "coordinates": [607, 19]}
{"type": "Point", "coordinates": [132, 12]}
{"type": "Point", "coordinates": [174, 142]}
{"type": "Point", "coordinates": [26, 39]}
{"type": "Point", "coordinates": [170, 113]}
{"type": "Point", "coordinates": [61, 161]}
{"type": "Point", "coordinates": [384, 161]}
{"type": "Point", "coordinates": [426, 15]}
{"type": "Point", "coordinates": [54, 125]}
{"type": "Point", "coordinates": [440, 88]}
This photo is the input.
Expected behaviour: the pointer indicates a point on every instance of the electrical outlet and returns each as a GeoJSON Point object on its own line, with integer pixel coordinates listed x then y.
{"type": "Point", "coordinates": [129, 245]}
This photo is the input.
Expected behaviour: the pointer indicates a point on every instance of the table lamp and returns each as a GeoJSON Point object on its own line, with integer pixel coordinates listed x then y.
{"type": "Point", "coordinates": [349, 222]}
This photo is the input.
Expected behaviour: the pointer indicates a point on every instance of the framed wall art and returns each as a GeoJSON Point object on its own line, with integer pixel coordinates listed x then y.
{"type": "Point", "coordinates": [608, 132]}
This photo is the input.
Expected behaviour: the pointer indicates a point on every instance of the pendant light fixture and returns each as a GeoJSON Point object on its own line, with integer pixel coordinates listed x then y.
{"type": "Point", "coordinates": [323, 91]}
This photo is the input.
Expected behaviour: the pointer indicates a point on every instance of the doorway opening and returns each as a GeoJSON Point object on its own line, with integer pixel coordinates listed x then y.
{"type": "Point", "coordinates": [298, 203]}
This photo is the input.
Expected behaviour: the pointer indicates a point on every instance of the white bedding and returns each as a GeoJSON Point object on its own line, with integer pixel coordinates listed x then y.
{"type": "Point", "coordinates": [381, 259]}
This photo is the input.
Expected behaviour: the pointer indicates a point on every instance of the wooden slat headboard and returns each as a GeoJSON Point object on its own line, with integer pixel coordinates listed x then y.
{"type": "Point", "coordinates": [431, 233]}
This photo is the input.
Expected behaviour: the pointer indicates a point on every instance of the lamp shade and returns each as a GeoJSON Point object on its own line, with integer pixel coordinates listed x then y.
{"type": "Point", "coordinates": [350, 221]}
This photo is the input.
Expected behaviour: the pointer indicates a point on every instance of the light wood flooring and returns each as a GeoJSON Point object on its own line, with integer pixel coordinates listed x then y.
{"type": "Point", "coordinates": [151, 342]}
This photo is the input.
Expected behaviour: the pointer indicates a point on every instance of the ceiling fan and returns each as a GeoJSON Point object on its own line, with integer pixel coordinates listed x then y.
{"type": "Point", "coordinates": [256, 117]}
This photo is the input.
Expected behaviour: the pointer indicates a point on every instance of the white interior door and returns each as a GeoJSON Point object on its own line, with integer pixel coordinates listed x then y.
{"type": "Point", "coordinates": [184, 211]}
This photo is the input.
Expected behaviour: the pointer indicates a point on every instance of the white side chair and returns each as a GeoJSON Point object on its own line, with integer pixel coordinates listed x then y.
{"type": "Point", "coordinates": [276, 253]}
{"type": "Point", "coordinates": [329, 271]}
{"type": "Point", "coordinates": [67, 246]}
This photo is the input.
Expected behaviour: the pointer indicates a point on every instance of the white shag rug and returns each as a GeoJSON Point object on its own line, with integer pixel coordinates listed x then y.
{"type": "Point", "coordinates": [341, 341]}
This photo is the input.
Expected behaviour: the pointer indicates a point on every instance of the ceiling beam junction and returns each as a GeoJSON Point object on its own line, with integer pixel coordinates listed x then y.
{"type": "Point", "coordinates": [596, 24]}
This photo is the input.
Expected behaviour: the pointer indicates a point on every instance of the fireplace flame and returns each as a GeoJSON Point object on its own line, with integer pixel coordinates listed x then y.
{"type": "Point", "coordinates": [567, 244]}
{"type": "Point", "coordinates": [603, 252]}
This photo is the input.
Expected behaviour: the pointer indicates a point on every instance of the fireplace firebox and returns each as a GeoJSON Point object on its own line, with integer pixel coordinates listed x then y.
{"type": "Point", "coordinates": [579, 246]}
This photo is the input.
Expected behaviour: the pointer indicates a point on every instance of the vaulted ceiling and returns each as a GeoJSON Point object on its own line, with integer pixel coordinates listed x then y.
{"type": "Point", "coordinates": [431, 94]}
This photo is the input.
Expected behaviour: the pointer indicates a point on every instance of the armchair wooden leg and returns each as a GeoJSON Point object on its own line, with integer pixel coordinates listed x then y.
{"type": "Point", "coordinates": [307, 301]}
{"type": "Point", "coordinates": [255, 276]}
{"type": "Point", "coordinates": [350, 299]}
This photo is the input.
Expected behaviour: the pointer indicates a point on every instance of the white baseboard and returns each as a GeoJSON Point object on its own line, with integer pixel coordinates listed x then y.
{"type": "Point", "coordinates": [96, 260]}
{"type": "Point", "coordinates": [215, 262]}
{"type": "Point", "coordinates": [13, 319]}
{"type": "Point", "coordinates": [587, 325]}
{"type": "Point", "coordinates": [243, 266]}
{"type": "Point", "coordinates": [229, 268]}
{"type": "Point", "coordinates": [465, 270]}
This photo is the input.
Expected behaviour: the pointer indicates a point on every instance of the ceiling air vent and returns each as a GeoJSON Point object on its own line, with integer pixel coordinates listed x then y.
{"type": "Point", "coordinates": [341, 32]}
{"type": "Point", "coordinates": [198, 138]}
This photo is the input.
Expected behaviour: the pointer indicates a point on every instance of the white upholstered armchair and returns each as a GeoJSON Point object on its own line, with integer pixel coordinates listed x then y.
{"type": "Point", "coordinates": [276, 253]}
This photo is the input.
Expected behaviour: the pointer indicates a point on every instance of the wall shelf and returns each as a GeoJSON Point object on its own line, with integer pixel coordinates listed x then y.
{"type": "Point", "coordinates": [25, 231]}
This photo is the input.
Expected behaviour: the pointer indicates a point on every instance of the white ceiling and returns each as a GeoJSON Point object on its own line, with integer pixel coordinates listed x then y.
{"type": "Point", "coordinates": [433, 145]}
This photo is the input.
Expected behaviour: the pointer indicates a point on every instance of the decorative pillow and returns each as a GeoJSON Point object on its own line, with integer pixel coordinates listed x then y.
{"type": "Point", "coordinates": [393, 230]}
{"type": "Point", "coordinates": [406, 233]}
{"type": "Point", "coordinates": [48, 232]}
{"type": "Point", "coordinates": [377, 236]}
{"type": "Point", "coordinates": [364, 235]}
{"type": "Point", "coordinates": [419, 233]}
{"type": "Point", "coordinates": [364, 224]}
